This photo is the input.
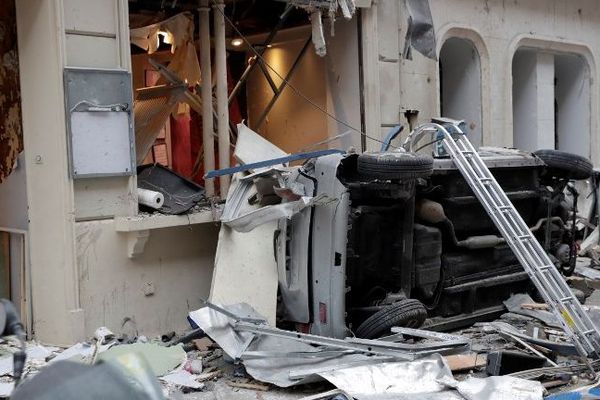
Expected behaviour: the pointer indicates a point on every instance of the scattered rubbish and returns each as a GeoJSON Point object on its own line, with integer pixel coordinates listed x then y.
{"type": "Point", "coordinates": [591, 392]}
{"type": "Point", "coordinates": [208, 376]}
{"type": "Point", "coordinates": [521, 304]}
{"type": "Point", "coordinates": [182, 378]}
{"type": "Point", "coordinates": [167, 337]}
{"type": "Point", "coordinates": [161, 359]}
{"type": "Point", "coordinates": [562, 348]}
{"type": "Point", "coordinates": [194, 366]}
{"type": "Point", "coordinates": [103, 335]}
{"type": "Point", "coordinates": [203, 344]}
{"type": "Point", "coordinates": [78, 352]}
{"type": "Point", "coordinates": [391, 379]}
{"type": "Point", "coordinates": [248, 385]}
{"type": "Point", "coordinates": [180, 194]}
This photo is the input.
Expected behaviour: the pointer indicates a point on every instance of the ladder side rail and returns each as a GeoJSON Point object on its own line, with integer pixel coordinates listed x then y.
{"type": "Point", "coordinates": [491, 198]}
{"type": "Point", "coordinates": [533, 250]}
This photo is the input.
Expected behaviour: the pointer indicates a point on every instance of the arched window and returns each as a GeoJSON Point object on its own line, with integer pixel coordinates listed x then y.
{"type": "Point", "coordinates": [460, 85]}
{"type": "Point", "coordinates": [551, 101]}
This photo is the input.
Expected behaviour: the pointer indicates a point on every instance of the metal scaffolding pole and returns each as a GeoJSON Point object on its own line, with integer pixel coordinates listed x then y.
{"type": "Point", "coordinates": [208, 142]}
{"type": "Point", "coordinates": [260, 50]}
{"type": "Point", "coordinates": [221, 93]}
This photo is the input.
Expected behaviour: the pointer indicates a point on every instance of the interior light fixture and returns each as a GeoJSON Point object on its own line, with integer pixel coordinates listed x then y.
{"type": "Point", "coordinates": [237, 42]}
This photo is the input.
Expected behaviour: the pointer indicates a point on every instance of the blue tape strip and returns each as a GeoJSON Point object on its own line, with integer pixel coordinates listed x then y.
{"type": "Point", "coordinates": [271, 162]}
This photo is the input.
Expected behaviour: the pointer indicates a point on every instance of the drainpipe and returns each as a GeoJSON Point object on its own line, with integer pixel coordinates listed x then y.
{"type": "Point", "coordinates": [208, 141]}
{"type": "Point", "coordinates": [222, 101]}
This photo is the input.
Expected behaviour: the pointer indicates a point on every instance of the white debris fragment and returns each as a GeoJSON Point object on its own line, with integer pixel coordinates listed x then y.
{"type": "Point", "coordinates": [182, 378]}
{"type": "Point", "coordinates": [318, 37]}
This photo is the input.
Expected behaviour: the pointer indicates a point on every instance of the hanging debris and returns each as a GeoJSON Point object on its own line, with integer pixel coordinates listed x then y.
{"type": "Point", "coordinates": [316, 8]}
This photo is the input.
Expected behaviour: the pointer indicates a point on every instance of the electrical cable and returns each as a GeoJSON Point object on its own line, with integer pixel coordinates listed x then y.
{"type": "Point", "coordinates": [292, 87]}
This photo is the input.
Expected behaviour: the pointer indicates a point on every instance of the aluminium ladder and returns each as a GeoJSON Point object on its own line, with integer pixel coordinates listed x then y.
{"type": "Point", "coordinates": [542, 272]}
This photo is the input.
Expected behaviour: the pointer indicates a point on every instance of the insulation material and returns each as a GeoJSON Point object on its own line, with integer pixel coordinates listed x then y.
{"type": "Point", "coordinates": [151, 111]}
{"type": "Point", "coordinates": [178, 31]}
{"type": "Point", "coordinates": [11, 131]}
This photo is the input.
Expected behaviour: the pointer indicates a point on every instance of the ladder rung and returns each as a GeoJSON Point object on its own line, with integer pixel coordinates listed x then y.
{"type": "Point", "coordinates": [565, 299]}
{"type": "Point", "coordinates": [589, 331]}
{"type": "Point", "coordinates": [525, 237]}
{"type": "Point", "coordinates": [505, 208]}
{"type": "Point", "coordinates": [544, 268]}
{"type": "Point", "coordinates": [485, 180]}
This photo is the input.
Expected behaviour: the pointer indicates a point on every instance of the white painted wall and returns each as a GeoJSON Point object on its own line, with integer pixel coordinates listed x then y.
{"type": "Point", "coordinates": [572, 94]}
{"type": "Point", "coordinates": [57, 317]}
{"type": "Point", "coordinates": [81, 275]}
{"type": "Point", "coordinates": [97, 36]}
{"type": "Point", "coordinates": [342, 84]}
{"type": "Point", "coordinates": [292, 123]}
{"type": "Point", "coordinates": [177, 262]}
{"type": "Point", "coordinates": [498, 28]}
{"type": "Point", "coordinates": [460, 72]}
{"type": "Point", "coordinates": [13, 198]}
{"type": "Point", "coordinates": [533, 100]}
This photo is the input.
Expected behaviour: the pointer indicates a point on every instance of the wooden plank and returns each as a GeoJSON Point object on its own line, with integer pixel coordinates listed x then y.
{"type": "Point", "coordinates": [466, 362]}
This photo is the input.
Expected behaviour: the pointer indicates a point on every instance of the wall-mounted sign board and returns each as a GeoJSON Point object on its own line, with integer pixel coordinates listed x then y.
{"type": "Point", "coordinates": [99, 122]}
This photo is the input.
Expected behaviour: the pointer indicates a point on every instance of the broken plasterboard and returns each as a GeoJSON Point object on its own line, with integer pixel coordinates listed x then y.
{"type": "Point", "coordinates": [245, 266]}
{"type": "Point", "coordinates": [251, 147]}
{"type": "Point", "coordinates": [246, 270]}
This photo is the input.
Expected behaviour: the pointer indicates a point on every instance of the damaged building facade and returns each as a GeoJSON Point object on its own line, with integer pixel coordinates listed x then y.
{"type": "Point", "coordinates": [520, 73]}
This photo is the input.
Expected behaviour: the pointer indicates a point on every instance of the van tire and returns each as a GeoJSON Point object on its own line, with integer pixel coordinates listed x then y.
{"type": "Point", "coordinates": [408, 313]}
{"type": "Point", "coordinates": [394, 165]}
{"type": "Point", "coordinates": [566, 165]}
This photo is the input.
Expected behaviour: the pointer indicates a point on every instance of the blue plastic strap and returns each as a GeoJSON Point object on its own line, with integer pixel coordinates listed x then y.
{"type": "Point", "coordinates": [271, 162]}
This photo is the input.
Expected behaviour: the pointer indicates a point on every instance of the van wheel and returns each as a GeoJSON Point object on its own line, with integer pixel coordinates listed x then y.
{"type": "Point", "coordinates": [409, 313]}
{"type": "Point", "coordinates": [394, 165]}
{"type": "Point", "coordinates": [566, 165]}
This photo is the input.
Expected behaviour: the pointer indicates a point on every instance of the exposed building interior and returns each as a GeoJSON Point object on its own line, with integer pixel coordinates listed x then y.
{"type": "Point", "coordinates": [235, 198]}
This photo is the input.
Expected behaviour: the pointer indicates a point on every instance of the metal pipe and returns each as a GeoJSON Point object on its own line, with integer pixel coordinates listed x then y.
{"type": "Point", "coordinates": [289, 75]}
{"type": "Point", "coordinates": [208, 141]}
{"type": "Point", "coordinates": [260, 50]}
{"type": "Point", "coordinates": [221, 89]}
